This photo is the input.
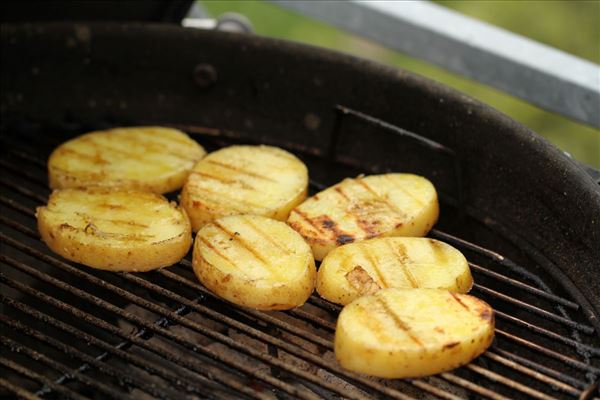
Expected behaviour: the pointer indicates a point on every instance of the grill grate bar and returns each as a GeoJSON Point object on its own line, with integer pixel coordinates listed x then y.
{"type": "Point", "coordinates": [22, 307]}
{"type": "Point", "coordinates": [173, 317]}
{"type": "Point", "coordinates": [28, 157]}
{"type": "Point", "coordinates": [524, 286]}
{"type": "Point", "coordinates": [471, 246]}
{"type": "Point", "coordinates": [16, 206]}
{"type": "Point", "coordinates": [324, 304]}
{"type": "Point", "coordinates": [34, 355]}
{"type": "Point", "coordinates": [536, 310]}
{"type": "Point", "coordinates": [41, 379]}
{"type": "Point", "coordinates": [496, 257]}
{"type": "Point", "coordinates": [316, 320]}
{"type": "Point", "coordinates": [509, 382]}
{"type": "Point", "coordinates": [530, 372]}
{"type": "Point", "coordinates": [143, 364]}
{"type": "Point", "coordinates": [256, 314]}
{"type": "Point", "coordinates": [137, 320]}
{"type": "Point", "coordinates": [551, 353]}
{"type": "Point", "coordinates": [24, 191]}
{"type": "Point", "coordinates": [546, 332]}
{"type": "Point", "coordinates": [538, 375]}
{"type": "Point", "coordinates": [32, 177]}
{"type": "Point", "coordinates": [457, 380]}
{"type": "Point", "coordinates": [281, 344]}
{"type": "Point", "coordinates": [121, 376]}
{"type": "Point", "coordinates": [444, 394]}
{"type": "Point", "coordinates": [541, 368]}
{"type": "Point", "coordinates": [573, 362]}
{"type": "Point", "coordinates": [18, 391]}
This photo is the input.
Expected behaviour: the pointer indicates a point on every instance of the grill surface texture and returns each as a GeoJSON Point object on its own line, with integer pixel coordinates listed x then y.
{"type": "Point", "coordinates": [73, 331]}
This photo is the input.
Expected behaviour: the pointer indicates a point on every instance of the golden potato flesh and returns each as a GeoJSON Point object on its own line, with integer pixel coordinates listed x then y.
{"type": "Point", "coordinates": [254, 261]}
{"type": "Point", "coordinates": [140, 158]}
{"type": "Point", "coordinates": [365, 208]}
{"type": "Point", "coordinates": [258, 180]}
{"type": "Point", "coordinates": [405, 333]}
{"type": "Point", "coordinates": [362, 268]}
{"type": "Point", "coordinates": [115, 230]}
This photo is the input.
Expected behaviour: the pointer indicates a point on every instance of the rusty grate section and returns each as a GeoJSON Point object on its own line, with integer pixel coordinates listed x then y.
{"type": "Point", "coordinates": [72, 332]}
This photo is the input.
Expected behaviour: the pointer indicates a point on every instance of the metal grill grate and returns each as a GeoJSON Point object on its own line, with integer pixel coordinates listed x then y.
{"type": "Point", "coordinates": [74, 332]}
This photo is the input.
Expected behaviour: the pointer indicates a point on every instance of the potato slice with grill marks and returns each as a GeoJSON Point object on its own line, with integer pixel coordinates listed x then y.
{"type": "Point", "coordinates": [364, 208]}
{"type": "Point", "coordinates": [258, 180]}
{"type": "Point", "coordinates": [406, 333]}
{"type": "Point", "coordinates": [254, 261]}
{"type": "Point", "coordinates": [357, 269]}
{"type": "Point", "coordinates": [153, 159]}
{"type": "Point", "coordinates": [115, 230]}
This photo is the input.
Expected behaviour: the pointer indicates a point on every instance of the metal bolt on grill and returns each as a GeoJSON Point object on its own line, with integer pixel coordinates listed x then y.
{"type": "Point", "coordinates": [74, 332]}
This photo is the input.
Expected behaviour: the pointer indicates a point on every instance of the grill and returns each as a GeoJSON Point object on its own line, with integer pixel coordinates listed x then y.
{"type": "Point", "coordinates": [73, 332]}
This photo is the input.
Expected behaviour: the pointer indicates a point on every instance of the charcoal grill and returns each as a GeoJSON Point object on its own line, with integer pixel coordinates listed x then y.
{"type": "Point", "coordinates": [525, 215]}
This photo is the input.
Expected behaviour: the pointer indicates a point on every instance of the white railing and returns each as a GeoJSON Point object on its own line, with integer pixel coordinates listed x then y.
{"type": "Point", "coordinates": [536, 73]}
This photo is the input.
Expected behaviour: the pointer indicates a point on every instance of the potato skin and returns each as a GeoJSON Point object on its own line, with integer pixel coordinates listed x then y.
{"type": "Point", "coordinates": [257, 180]}
{"type": "Point", "coordinates": [225, 261]}
{"type": "Point", "coordinates": [149, 158]}
{"type": "Point", "coordinates": [408, 333]}
{"type": "Point", "coordinates": [356, 269]}
{"type": "Point", "coordinates": [81, 243]}
{"type": "Point", "coordinates": [363, 208]}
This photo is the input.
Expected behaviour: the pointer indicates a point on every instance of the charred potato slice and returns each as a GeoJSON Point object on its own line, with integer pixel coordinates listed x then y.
{"type": "Point", "coordinates": [358, 269]}
{"type": "Point", "coordinates": [115, 230]}
{"type": "Point", "coordinates": [365, 208]}
{"type": "Point", "coordinates": [258, 180]}
{"type": "Point", "coordinates": [255, 262]}
{"type": "Point", "coordinates": [406, 333]}
{"type": "Point", "coordinates": [140, 158]}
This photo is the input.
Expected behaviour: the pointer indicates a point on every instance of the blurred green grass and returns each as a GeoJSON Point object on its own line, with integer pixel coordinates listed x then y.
{"type": "Point", "coordinates": [572, 26]}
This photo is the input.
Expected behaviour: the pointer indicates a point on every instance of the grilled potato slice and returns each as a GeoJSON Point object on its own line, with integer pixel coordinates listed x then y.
{"type": "Point", "coordinates": [141, 158]}
{"type": "Point", "coordinates": [358, 269]}
{"type": "Point", "coordinates": [405, 333]}
{"type": "Point", "coordinates": [115, 230]}
{"type": "Point", "coordinates": [254, 261]}
{"type": "Point", "coordinates": [364, 208]}
{"type": "Point", "coordinates": [258, 180]}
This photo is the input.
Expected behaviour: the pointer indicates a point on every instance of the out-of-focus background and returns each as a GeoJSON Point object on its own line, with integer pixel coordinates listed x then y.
{"type": "Point", "coordinates": [569, 25]}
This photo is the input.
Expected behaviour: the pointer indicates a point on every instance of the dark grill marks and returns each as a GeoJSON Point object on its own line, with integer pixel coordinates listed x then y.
{"type": "Point", "coordinates": [123, 222]}
{"type": "Point", "coordinates": [240, 170]}
{"type": "Point", "coordinates": [214, 250]}
{"type": "Point", "coordinates": [103, 147]}
{"type": "Point", "coordinates": [200, 191]}
{"type": "Point", "coordinates": [340, 236]}
{"type": "Point", "coordinates": [400, 254]}
{"type": "Point", "coordinates": [438, 250]}
{"type": "Point", "coordinates": [403, 326]}
{"type": "Point", "coordinates": [243, 243]}
{"type": "Point", "coordinates": [308, 220]}
{"type": "Point", "coordinates": [459, 301]}
{"type": "Point", "coordinates": [339, 190]}
{"type": "Point", "coordinates": [90, 229]}
{"type": "Point", "coordinates": [224, 180]}
{"type": "Point", "coordinates": [151, 145]}
{"type": "Point", "coordinates": [369, 189]}
{"type": "Point", "coordinates": [374, 265]}
{"type": "Point", "coordinates": [94, 159]}
{"type": "Point", "coordinates": [403, 190]}
{"type": "Point", "coordinates": [264, 235]}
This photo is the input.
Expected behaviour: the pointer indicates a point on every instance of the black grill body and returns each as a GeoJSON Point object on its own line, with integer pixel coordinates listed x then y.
{"type": "Point", "coordinates": [524, 214]}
